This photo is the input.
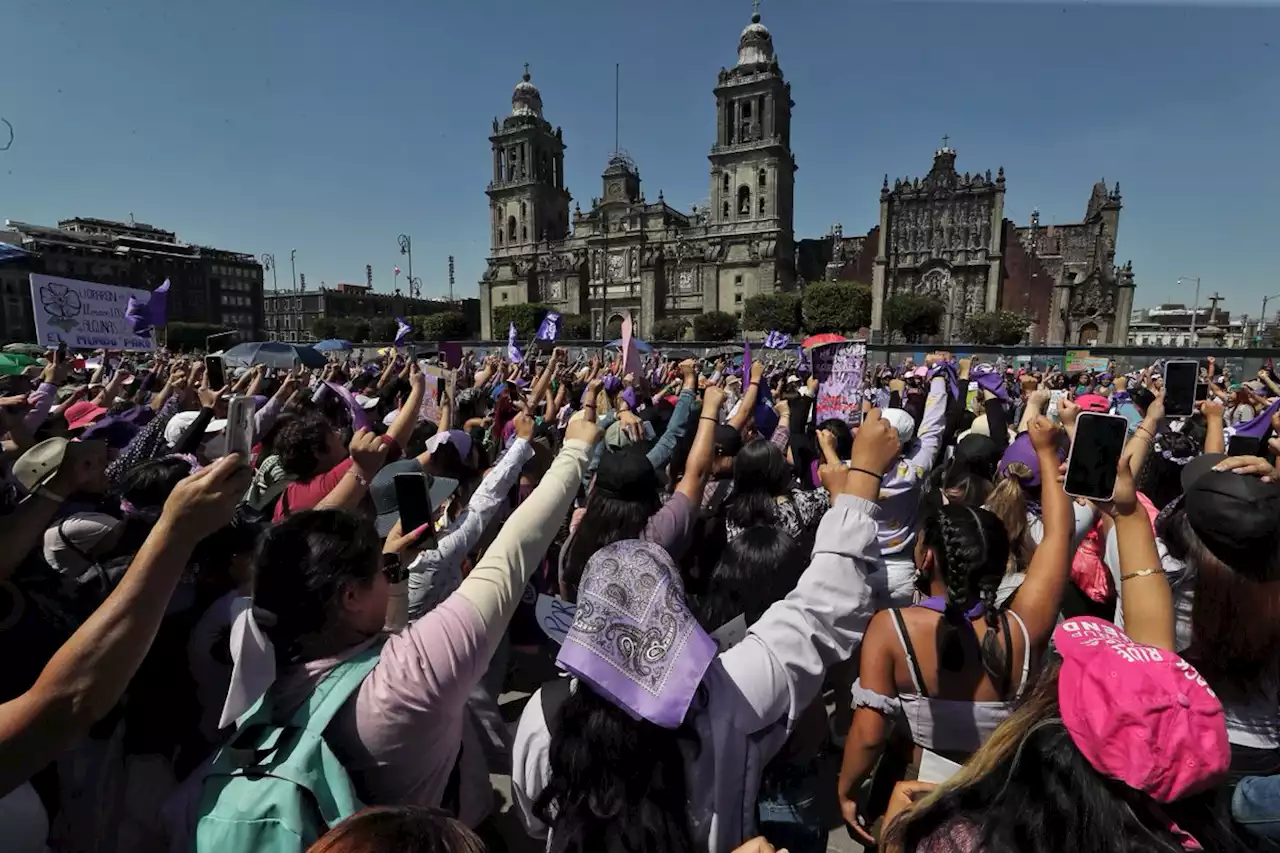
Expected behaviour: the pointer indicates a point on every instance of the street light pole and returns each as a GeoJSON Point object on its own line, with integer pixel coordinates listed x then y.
{"type": "Point", "coordinates": [1195, 307]}
{"type": "Point", "coordinates": [269, 263]}
{"type": "Point", "coordinates": [406, 248]}
{"type": "Point", "coordinates": [293, 267]}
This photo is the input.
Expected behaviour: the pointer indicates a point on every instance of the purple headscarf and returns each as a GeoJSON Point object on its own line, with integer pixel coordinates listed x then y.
{"type": "Point", "coordinates": [633, 638]}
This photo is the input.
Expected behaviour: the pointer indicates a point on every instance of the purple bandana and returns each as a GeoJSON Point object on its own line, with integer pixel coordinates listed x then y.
{"type": "Point", "coordinates": [633, 638]}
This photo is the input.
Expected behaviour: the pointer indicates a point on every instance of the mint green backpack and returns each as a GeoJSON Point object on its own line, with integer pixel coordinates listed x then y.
{"type": "Point", "coordinates": [277, 789]}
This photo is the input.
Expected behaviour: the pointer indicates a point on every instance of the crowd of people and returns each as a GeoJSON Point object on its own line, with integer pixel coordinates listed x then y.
{"type": "Point", "coordinates": [214, 648]}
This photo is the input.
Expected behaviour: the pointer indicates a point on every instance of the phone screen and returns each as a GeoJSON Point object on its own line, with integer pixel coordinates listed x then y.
{"type": "Point", "coordinates": [1180, 380]}
{"type": "Point", "coordinates": [1202, 391]}
{"type": "Point", "coordinates": [1095, 454]}
{"type": "Point", "coordinates": [213, 369]}
{"type": "Point", "coordinates": [414, 504]}
{"type": "Point", "coordinates": [1241, 445]}
{"type": "Point", "coordinates": [240, 426]}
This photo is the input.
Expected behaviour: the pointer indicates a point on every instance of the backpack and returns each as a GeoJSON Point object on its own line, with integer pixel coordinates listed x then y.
{"type": "Point", "coordinates": [277, 788]}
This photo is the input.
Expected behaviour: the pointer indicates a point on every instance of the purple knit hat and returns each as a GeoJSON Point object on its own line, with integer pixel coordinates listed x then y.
{"type": "Point", "coordinates": [633, 638]}
{"type": "Point", "coordinates": [1021, 450]}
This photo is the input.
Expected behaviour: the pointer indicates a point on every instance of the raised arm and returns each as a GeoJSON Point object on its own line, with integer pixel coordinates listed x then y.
{"type": "Point", "coordinates": [749, 397]}
{"type": "Point", "coordinates": [1215, 437]}
{"type": "Point", "coordinates": [402, 427]}
{"type": "Point", "coordinates": [1146, 603]}
{"type": "Point", "coordinates": [698, 466]}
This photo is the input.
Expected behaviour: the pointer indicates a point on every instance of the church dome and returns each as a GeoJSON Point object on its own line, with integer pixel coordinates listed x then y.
{"type": "Point", "coordinates": [526, 100]}
{"type": "Point", "coordinates": [756, 44]}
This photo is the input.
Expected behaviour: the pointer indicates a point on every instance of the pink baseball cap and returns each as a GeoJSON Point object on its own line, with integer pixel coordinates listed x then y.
{"type": "Point", "coordinates": [1138, 714]}
{"type": "Point", "coordinates": [1093, 403]}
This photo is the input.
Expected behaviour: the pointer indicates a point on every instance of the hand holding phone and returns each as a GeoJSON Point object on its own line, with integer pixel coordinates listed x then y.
{"type": "Point", "coordinates": [1180, 380]}
{"type": "Point", "coordinates": [215, 372]}
{"type": "Point", "coordinates": [240, 426]}
{"type": "Point", "coordinates": [1095, 456]}
{"type": "Point", "coordinates": [414, 503]}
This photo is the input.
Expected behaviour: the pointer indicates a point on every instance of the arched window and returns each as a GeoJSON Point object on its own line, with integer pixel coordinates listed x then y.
{"type": "Point", "coordinates": [511, 229]}
{"type": "Point", "coordinates": [726, 210]}
{"type": "Point", "coordinates": [744, 200]}
{"type": "Point", "coordinates": [761, 204]}
{"type": "Point", "coordinates": [524, 210]}
{"type": "Point", "coordinates": [524, 234]}
{"type": "Point", "coordinates": [727, 188]}
{"type": "Point", "coordinates": [763, 179]}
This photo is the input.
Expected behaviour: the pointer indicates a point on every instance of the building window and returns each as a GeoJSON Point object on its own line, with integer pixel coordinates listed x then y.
{"type": "Point", "coordinates": [737, 299]}
{"type": "Point", "coordinates": [762, 204]}
{"type": "Point", "coordinates": [504, 296]}
{"type": "Point", "coordinates": [763, 179]}
{"type": "Point", "coordinates": [744, 200]}
{"type": "Point", "coordinates": [727, 189]}
{"type": "Point", "coordinates": [511, 229]}
{"type": "Point", "coordinates": [524, 234]}
{"type": "Point", "coordinates": [726, 210]}
{"type": "Point", "coordinates": [524, 210]}
{"type": "Point", "coordinates": [737, 281]}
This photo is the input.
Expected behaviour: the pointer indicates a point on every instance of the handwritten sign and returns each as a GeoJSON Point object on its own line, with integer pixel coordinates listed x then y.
{"type": "Point", "coordinates": [84, 315]}
{"type": "Point", "coordinates": [555, 617]}
{"type": "Point", "coordinates": [839, 369]}
{"type": "Point", "coordinates": [1079, 359]}
{"type": "Point", "coordinates": [438, 378]}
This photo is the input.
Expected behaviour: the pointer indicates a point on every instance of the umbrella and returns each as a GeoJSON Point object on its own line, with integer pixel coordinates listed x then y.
{"type": "Point", "coordinates": [332, 345]}
{"type": "Point", "coordinates": [679, 354]}
{"type": "Point", "coordinates": [724, 351]}
{"type": "Point", "coordinates": [824, 338]}
{"type": "Point", "coordinates": [277, 354]}
{"type": "Point", "coordinates": [13, 363]}
{"type": "Point", "coordinates": [641, 346]}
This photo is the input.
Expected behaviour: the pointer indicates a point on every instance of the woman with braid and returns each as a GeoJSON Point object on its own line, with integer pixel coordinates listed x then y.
{"type": "Point", "coordinates": [953, 666]}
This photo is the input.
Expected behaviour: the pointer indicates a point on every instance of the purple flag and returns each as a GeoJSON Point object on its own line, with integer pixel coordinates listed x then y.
{"type": "Point", "coordinates": [550, 328]}
{"type": "Point", "coordinates": [142, 317]}
{"type": "Point", "coordinates": [989, 380]}
{"type": "Point", "coordinates": [777, 340]}
{"type": "Point", "coordinates": [359, 417]}
{"type": "Point", "coordinates": [1257, 426]}
{"type": "Point", "coordinates": [513, 351]}
{"type": "Point", "coordinates": [403, 331]}
{"type": "Point", "coordinates": [746, 360]}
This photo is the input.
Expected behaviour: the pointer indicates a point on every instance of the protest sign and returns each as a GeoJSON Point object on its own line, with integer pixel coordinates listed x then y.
{"type": "Point", "coordinates": [85, 315]}
{"type": "Point", "coordinates": [438, 378]}
{"type": "Point", "coordinates": [1079, 359]}
{"type": "Point", "coordinates": [839, 369]}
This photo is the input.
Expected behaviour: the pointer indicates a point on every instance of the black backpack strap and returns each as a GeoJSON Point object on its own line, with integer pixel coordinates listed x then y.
{"type": "Point", "coordinates": [554, 694]}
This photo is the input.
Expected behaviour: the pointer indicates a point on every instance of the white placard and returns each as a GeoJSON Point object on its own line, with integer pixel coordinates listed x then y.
{"type": "Point", "coordinates": [84, 315]}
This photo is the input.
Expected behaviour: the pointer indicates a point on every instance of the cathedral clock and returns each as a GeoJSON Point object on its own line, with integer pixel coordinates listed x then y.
{"type": "Point", "coordinates": [615, 189]}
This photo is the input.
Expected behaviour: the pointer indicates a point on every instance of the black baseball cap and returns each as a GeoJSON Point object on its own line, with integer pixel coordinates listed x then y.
{"type": "Point", "coordinates": [1235, 515]}
{"type": "Point", "coordinates": [383, 492]}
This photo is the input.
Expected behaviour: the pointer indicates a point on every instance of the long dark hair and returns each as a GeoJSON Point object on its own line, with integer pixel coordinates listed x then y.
{"type": "Point", "coordinates": [971, 548]}
{"type": "Point", "coordinates": [1235, 612]}
{"type": "Point", "coordinates": [1029, 789]}
{"type": "Point", "coordinates": [617, 785]}
{"type": "Point", "coordinates": [609, 518]}
{"type": "Point", "coordinates": [760, 475]}
{"type": "Point", "coordinates": [301, 567]}
{"type": "Point", "coordinates": [757, 568]}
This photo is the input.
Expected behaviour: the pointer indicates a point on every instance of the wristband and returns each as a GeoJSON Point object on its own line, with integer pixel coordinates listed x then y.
{"type": "Point", "coordinates": [1141, 574]}
{"type": "Point", "coordinates": [707, 418]}
{"type": "Point", "coordinates": [878, 477]}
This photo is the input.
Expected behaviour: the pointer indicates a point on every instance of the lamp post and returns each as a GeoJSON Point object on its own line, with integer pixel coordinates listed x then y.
{"type": "Point", "coordinates": [1195, 307]}
{"type": "Point", "coordinates": [269, 263]}
{"type": "Point", "coordinates": [406, 248]}
{"type": "Point", "coordinates": [293, 268]}
{"type": "Point", "coordinates": [1262, 318]}
{"type": "Point", "coordinates": [415, 286]}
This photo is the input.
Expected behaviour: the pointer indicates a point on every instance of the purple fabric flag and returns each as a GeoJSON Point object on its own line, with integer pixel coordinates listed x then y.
{"type": "Point", "coordinates": [777, 340]}
{"type": "Point", "coordinates": [550, 328]}
{"type": "Point", "coordinates": [513, 351]}
{"type": "Point", "coordinates": [403, 331]}
{"type": "Point", "coordinates": [989, 380]}
{"type": "Point", "coordinates": [746, 360]}
{"type": "Point", "coordinates": [1257, 426]}
{"type": "Point", "coordinates": [142, 317]}
{"type": "Point", "coordinates": [947, 369]}
{"type": "Point", "coordinates": [359, 417]}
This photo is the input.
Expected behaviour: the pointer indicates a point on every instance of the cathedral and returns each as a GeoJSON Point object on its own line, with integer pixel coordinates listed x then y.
{"type": "Point", "coordinates": [630, 257]}
{"type": "Point", "coordinates": [945, 236]}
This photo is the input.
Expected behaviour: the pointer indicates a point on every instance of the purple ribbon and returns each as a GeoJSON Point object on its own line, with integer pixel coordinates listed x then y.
{"type": "Point", "coordinates": [359, 417]}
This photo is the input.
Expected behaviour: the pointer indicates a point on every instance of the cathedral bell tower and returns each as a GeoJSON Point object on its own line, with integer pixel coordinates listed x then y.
{"type": "Point", "coordinates": [752, 168]}
{"type": "Point", "coordinates": [527, 197]}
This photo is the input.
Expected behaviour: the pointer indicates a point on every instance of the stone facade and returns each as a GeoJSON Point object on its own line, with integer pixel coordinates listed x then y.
{"type": "Point", "coordinates": [627, 256]}
{"type": "Point", "coordinates": [945, 236]}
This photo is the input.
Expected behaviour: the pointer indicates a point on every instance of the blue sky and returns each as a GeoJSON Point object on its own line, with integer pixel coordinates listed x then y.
{"type": "Point", "coordinates": [333, 127]}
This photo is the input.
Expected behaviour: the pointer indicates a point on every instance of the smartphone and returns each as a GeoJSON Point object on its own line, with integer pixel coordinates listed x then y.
{"type": "Point", "coordinates": [240, 426]}
{"type": "Point", "coordinates": [1242, 445]}
{"type": "Point", "coordinates": [1180, 380]}
{"type": "Point", "coordinates": [1202, 391]}
{"type": "Point", "coordinates": [61, 355]}
{"type": "Point", "coordinates": [213, 369]}
{"type": "Point", "coordinates": [1095, 455]}
{"type": "Point", "coordinates": [415, 506]}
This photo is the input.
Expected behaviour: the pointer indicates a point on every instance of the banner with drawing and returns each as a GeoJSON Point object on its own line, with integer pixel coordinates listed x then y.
{"type": "Point", "coordinates": [839, 369]}
{"type": "Point", "coordinates": [85, 315]}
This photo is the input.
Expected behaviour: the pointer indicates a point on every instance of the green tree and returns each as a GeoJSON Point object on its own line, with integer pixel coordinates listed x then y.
{"type": "Point", "coordinates": [995, 328]}
{"type": "Point", "coordinates": [715, 326]}
{"type": "Point", "coordinates": [527, 316]}
{"type": "Point", "coordinates": [771, 311]}
{"type": "Point", "coordinates": [450, 326]}
{"type": "Point", "coordinates": [670, 329]}
{"type": "Point", "coordinates": [836, 306]}
{"type": "Point", "coordinates": [324, 328]}
{"type": "Point", "coordinates": [383, 329]}
{"type": "Point", "coordinates": [913, 316]}
{"type": "Point", "coordinates": [575, 327]}
{"type": "Point", "coordinates": [193, 336]}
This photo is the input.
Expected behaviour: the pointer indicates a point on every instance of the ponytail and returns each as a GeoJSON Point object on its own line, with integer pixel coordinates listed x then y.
{"type": "Point", "coordinates": [1009, 503]}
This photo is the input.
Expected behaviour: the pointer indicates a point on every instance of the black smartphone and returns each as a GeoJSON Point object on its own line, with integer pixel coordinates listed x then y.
{"type": "Point", "coordinates": [215, 372]}
{"type": "Point", "coordinates": [1202, 391]}
{"type": "Point", "coordinates": [1095, 455]}
{"type": "Point", "coordinates": [61, 355]}
{"type": "Point", "coordinates": [1180, 380]}
{"type": "Point", "coordinates": [414, 503]}
{"type": "Point", "coordinates": [1243, 445]}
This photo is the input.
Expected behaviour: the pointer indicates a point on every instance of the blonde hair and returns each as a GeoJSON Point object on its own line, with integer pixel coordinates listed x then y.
{"type": "Point", "coordinates": [1008, 501]}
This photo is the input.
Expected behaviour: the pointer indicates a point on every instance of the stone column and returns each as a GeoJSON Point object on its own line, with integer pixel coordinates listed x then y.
{"type": "Point", "coordinates": [1058, 331]}
{"type": "Point", "coordinates": [878, 276]}
{"type": "Point", "coordinates": [1124, 310]}
{"type": "Point", "coordinates": [994, 255]}
{"type": "Point", "coordinates": [486, 312]}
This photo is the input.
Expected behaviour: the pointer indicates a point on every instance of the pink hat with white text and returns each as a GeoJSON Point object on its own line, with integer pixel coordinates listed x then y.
{"type": "Point", "coordinates": [1138, 714]}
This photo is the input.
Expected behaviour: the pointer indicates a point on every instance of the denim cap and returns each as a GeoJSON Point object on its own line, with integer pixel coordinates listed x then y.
{"type": "Point", "coordinates": [634, 640]}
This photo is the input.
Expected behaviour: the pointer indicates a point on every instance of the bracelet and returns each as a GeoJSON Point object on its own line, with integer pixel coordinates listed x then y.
{"type": "Point", "coordinates": [1141, 574]}
{"type": "Point", "coordinates": [708, 418]}
{"type": "Point", "coordinates": [588, 405]}
{"type": "Point", "coordinates": [856, 470]}
{"type": "Point", "coordinates": [1141, 428]}
{"type": "Point", "coordinates": [359, 477]}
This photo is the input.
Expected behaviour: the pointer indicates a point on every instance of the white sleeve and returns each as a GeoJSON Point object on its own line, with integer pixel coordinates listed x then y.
{"type": "Point", "coordinates": [531, 764]}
